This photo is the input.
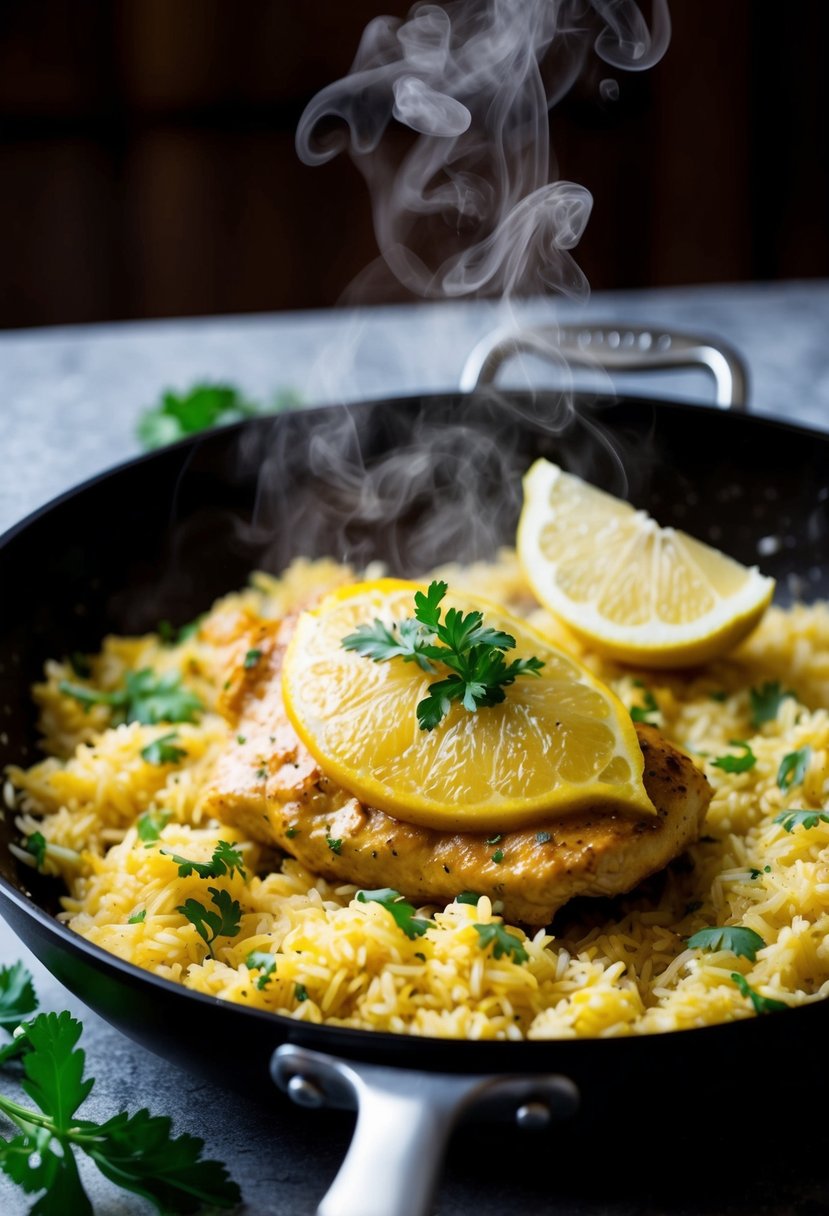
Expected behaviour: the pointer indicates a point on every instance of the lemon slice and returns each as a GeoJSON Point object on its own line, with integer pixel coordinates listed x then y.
{"type": "Point", "coordinates": [629, 588]}
{"type": "Point", "coordinates": [558, 741]}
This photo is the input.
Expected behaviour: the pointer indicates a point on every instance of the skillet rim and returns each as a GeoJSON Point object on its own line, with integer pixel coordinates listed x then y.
{"type": "Point", "coordinates": [496, 1055]}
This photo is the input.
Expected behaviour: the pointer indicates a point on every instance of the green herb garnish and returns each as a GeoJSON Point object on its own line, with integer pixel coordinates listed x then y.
{"type": "Point", "coordinates": [736, 764]}
{"type": "Point", "coordinates": [163, 750]}
{"type": "Point", "coordinates": [251, 659]}
{"type": "Point", "coordinates": [403, 912]}
{"type": "Point", "coordinates": [17, 995]}
{"type": "Point", "coordinates": [334, 845]}
{"type": "Point", "coordinates": [766, 701]}
{"type": "Point", "coordinates": [502, 941]}
{"type": "Point", "coordinates": [139, 917]}
{"type": "Point", "coordinates": [264, 963]}
{"type": "Point", "coordinates": [150, 825]}
{"type": "Point", "coordinates": [498, 856]}
{"type": "Point", "coordinates": [793, 767]}
{"type": "Point", "coordinates": [224, 922]}
{"type": "Point", "coordinates": [146, 698]}
{"type": "Point", "coordinates": [468, 897]}
{"type": "Point", "coordinates": [300, 992]}
{"type": "Point", "coordinates": [762, 1004]}
{"type": "Point", "coordinates": [754, 872]}
{"type": "Point", "coordinates": [649, 706]}
{"type": "Point", "coordinates": [543, 837]}
{"type": "Point", "coordinates": [225, 860]}
{"type": "Point", "coordinates": [135, 1152]}
{"type": "Point", "coordinates": [291, 832]}
{"type": "Point", "coordinates": [200, 408]}
{"type": "Point", "coordinates": [36, 845]}
{"type": "Point", "coordinates": [790, 819]}
{"type": "Point", "coordinates": [471, 650]}
{"type": "Point", "coordinates": [740, 941]}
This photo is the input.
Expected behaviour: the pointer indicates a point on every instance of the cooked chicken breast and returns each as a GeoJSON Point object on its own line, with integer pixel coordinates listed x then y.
{"type": "Point", "coordinates": [269, 786]}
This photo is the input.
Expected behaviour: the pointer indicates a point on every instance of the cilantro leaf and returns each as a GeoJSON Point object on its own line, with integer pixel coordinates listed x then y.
{"type": "Point", "coordinates": [473, 652]}
{"type": "Point", "coordinates": [740, 941]}
{"type": "Point", "coordinates": [762, 1004]}
{"type": "Point", "coordinates": [792, 819]}
{"type": "Point", "coordinates": [766, 701]}
{"type": "Point", "coordinates": [163, 750]}
{"type": "Point", "coordinates": [201, 407]}
{"type": "Point", "coordinates": [17, 995]}
{"type": "Point", "coordinates": [335, 846]}
{"type": "Point", "coordinates": [736, 764]}
{"type": "Point", "coordinates": [224, 922]}
{"type": "Point", "coordinates": [138, 1153]}
{"type": "Point", "coordinates": [468, 897]}
{"type": "Point", "coordinates": [403, 912]}
{"type": "Point", "coordinates": [225, 860]}
{"type": "Point", "coordinates": [146, 698]}
{"type": "Point", "coordinates": [502, 941]}
{"type": "Point", "coordinates": [793, 767]}
{"type": "Point", "coordinates": [54, 1069]}
{"type": "Point", "coordinates": [649, 706]}
{"type": "Point", "coordinates": [265, 963]}
{"type": "Point", "coordinates": [36, 845]}
{"type": "Point", "coordinates": [151, 824]}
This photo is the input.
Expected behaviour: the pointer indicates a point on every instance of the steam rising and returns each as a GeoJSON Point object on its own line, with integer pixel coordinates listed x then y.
{"type": "Point", "coordinates": [470, 206]}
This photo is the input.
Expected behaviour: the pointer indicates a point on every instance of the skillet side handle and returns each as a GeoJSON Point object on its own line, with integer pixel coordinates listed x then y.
{"type": "Point", "coordinates": [404, 1120]}
{"type": "Point", "coordinates": [619, 349]}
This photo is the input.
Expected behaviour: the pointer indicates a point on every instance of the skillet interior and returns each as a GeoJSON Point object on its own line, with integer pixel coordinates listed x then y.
{"type": "Point", "coordinates": [412, 482]}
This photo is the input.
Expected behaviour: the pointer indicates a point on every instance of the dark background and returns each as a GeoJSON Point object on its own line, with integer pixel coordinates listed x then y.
{"type": "Point", "coordinates": [148, 165]}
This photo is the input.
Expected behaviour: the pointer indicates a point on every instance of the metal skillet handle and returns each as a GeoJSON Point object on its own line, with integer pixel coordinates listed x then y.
{"type": "Point", "coordinates": [617, 349]}
{"type": "Point", "coordinates": [404, 1120]}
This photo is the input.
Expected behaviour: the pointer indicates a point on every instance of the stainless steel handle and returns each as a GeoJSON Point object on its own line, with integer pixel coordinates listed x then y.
{"type": "Point", "coordinates": [404, 1120]}
{"type": "Point", "coordinates": [628, 349]}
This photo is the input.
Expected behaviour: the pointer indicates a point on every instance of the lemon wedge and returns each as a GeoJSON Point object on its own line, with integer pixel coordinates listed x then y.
{"type": "Point", "coordinates": [558, 742]}
{"type": "Point", "coordinates": [629, 588]}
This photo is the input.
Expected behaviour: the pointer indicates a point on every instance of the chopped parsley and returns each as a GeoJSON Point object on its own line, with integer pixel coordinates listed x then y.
{"type": "Point", "coordinates": [806, 819]}
{"type": "Point", "coordinates": [138, 918]}
{"type": "Point", "coordinates": [494, 839]}
{"type": "Point", "coordinates": [736, 938]}
{"type": "Point", "coordinates": [762, 1004]}
{"type": "Point", "coordinates": [649, 706]}
{"type": "Point", "coordinates": [251, 659]}
{"type": "Point", "coordinates": [334, 845]}
{"type": "Point", "coordinates": [468, 897]}
{"type": "Point", "coordinates": [736, 764]}
{"type": "Point", "coordinates": [240, 739]}
{"type": "Point", "coordinates": [502, 941]}
{"type": "Point", "coordinates": [36, 845]}
{"type": "Point", "coordinates": [145, 697]}
{"type": "Point", "coordinates": [264, 963]}
{"type": "Point", "coordinates": [755, 873]}
{"type": "Point", "coordinates": [498, 856]}
{"type": "Point", "coordinates": [150, 825]}
{"type": "Point", "coordinates": [793, 767]}
{"type": "Point", "coordinates": [300, 992]}
{"type": "Point", "coordinates": [766, 701]}
{"type": "Point", "coordinates": [291, 832]}
{"type": "Point", "coordinates": [163, 750]}
{"type": "Point", "coordinates": [402, 912]}
{"type": "Point", "coordinates": [225, 860]}
{"type": "Point", "coordinates": [224, 922]}
{"type": "Point", "coordinates": [472, 651]}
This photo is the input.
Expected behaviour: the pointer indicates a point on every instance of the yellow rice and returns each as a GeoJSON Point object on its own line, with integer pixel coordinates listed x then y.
{"type": "Point", "coordinates": [623, 968]}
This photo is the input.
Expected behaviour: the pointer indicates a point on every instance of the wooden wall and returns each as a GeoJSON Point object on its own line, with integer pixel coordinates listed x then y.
{"type": "Point", "coordinates": [148, 166]}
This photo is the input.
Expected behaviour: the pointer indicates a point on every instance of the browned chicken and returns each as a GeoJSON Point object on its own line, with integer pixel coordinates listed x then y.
{"type": "Point", "coordinates": [269, 786]}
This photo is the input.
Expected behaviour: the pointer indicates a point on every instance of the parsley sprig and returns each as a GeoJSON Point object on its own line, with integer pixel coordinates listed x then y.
{"type": "Point", "coordinates": [403, 912]}
{"type": "Point", "coordinates": [737, 939]}
{"type": "Point", "coordinates": [473, 652]}
{"type": "Point", "coordinates": [225, 860]}
{"type": "Point", "coordinates": [210, 926]}
{"type": "Point", "coordinates": [145, 697]}
{"type": "Point", "coordinates": [135, 1151]}
{"type": "Point", "coordinates": [502, 941]}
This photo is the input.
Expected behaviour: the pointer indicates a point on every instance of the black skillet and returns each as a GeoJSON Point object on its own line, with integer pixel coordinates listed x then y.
{"type": "Point", "coordinates": [414, 482]}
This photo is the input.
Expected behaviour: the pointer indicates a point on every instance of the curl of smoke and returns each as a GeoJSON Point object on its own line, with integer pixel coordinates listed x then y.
{"type": "Point", "coordinates": [469, 206]}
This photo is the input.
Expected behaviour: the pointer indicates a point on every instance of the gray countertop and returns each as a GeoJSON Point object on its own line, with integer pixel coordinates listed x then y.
{"type": "Point", "coordinates": [71, 398]}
